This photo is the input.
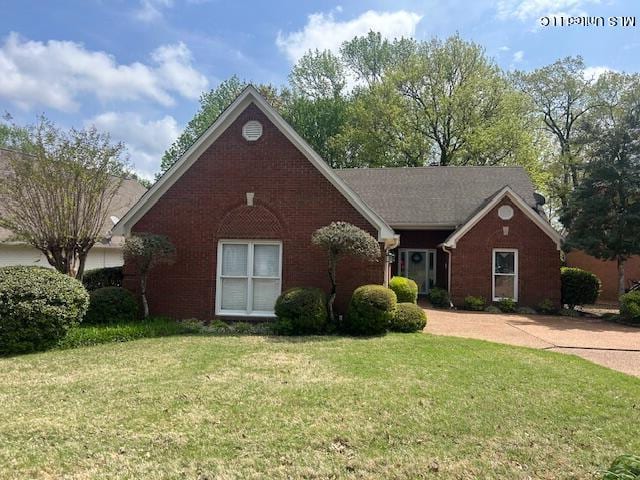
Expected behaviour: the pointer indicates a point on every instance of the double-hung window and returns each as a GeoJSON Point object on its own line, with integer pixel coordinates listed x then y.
{"type": "Point", "coordinates": [249, 277]}
{"type": "Point", "coordinates": [505, 273]}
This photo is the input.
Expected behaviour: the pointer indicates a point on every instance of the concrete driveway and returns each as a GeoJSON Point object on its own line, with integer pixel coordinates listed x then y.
{"type": "Point", "coordinates": [606, 343]}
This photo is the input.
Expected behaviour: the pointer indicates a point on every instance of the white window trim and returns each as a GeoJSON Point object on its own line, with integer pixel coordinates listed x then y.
{"type": "Point", "coordinates": [514, 274]}
{"type": "Point", "coordinates": [248, 312]}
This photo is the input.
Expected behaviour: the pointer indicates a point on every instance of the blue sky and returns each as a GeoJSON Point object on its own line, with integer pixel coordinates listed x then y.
{"type": "Point", "coordinates": [136, 68]}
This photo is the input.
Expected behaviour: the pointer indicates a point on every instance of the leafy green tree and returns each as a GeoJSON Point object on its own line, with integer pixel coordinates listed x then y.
{"type": "Point", "coordinates": [58, 194]}
{"type": "Point", "coordinates": [562, 96]}
{"type": "Point", "coordinates": [341, 239]}
{"type": "Point", "coordinates": [369, 57]}
{"type": "Point", "coordinates": [144, 252]}
{"type": "Point", "coordinates": [459, 100]}
{"type": "Point", "coordinates": [603, 212]}
{"type": "Point", "coordinates": [212, 104]}
{"type": "Point", "coordinates": [318, 75]}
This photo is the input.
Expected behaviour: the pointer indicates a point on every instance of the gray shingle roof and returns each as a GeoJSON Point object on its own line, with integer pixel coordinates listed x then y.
{"type": "Point", "coordinates": [128, 194]}
{"type": "Point", "coordinates": [433, 196]}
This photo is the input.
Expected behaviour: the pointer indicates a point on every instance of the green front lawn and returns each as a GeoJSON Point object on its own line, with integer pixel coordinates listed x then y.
{"type": "Point", "coordinates": [400, 406]}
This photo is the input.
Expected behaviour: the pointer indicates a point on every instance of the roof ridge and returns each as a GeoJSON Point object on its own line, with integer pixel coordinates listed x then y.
{"type": "Point", "coordinates": [426, 167]}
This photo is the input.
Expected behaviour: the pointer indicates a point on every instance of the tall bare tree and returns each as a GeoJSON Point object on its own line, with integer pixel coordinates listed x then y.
{"type": "Point", "coordinates": [57, 191]}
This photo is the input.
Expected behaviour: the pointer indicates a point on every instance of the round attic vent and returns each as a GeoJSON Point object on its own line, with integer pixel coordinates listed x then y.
{"type": "Point", "coordinates": [252, 130]}
{"type": "Point", "coordinates": [505, 212]}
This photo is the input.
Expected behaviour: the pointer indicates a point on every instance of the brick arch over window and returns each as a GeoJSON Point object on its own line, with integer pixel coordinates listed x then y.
{"type": "Point", "coordinates": [250, 222]}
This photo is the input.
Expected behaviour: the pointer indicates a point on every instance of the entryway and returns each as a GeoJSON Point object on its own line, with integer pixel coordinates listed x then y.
{"type": "Point", "coordinates": [420, 266]}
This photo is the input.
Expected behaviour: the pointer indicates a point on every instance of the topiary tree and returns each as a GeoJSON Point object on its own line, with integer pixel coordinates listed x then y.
{"type": "Point", "coordinates": [342, 239]}
{"type": "Point", "coordinates": [405, 288]}
{"type": "Point", "coordinates": [145, 251]}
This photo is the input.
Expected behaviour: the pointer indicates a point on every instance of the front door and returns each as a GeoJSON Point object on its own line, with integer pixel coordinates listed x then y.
{"type": "Point", "coordinates": [419, 266]}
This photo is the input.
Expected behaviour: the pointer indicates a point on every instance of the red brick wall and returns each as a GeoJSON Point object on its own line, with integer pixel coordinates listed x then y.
{"type": "Point", "coordinates": [426, 239]}
{"type": "Point", "coordinates": [538, 259]}
{"type": "Point", "coordinates": [606, 271]}
{"type": "Point", "coordinates": [208, 203]}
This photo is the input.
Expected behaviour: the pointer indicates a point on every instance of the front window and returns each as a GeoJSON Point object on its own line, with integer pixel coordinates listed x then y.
{"type": "Point", "coordinates": [249, 277]}
{"type": "Point", "coordinates": [505, 274]}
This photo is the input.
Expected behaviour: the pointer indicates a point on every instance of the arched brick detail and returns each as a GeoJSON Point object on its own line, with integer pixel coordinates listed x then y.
{"type": "Point", "coordinates": [250, 222]}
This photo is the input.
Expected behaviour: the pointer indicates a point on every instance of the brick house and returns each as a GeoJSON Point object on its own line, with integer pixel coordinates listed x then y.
{"type": "Point", "coordinates": [242, 203]}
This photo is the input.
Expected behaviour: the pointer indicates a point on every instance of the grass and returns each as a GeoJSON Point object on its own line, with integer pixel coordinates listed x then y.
{"type": "Point", "coordinates": [85, 335]}
{"type": "Point", "coordinates": [399, 406]}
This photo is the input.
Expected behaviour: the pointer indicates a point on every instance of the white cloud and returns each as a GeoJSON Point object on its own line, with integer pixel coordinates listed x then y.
{"type": "Point", "coordinates": [504, 48]}
{"type": "Point", "coordinates": [55, 73]}
{"type": "Point", "coordinates": [593, 73]}
{"type": "Point", "coordinates": [528, 9]}
{"type": "Point", "coordinates": [146, 140]}
{"type": "Point", "coordinates": [324, 32]}
{"type": "Point", "coordinates": [518, 56]}
{"type": "Point", "coordinates": [151, 10]}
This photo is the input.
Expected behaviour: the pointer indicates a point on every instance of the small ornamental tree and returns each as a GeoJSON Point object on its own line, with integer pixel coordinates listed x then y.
{"type": "Point", "coordinates": [342, 239]}
{"type": "Point", "coordinates": [145, 251]}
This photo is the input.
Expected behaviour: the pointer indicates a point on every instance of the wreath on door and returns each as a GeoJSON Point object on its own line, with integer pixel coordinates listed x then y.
{"type": "Point", "coordinates": [416, 257]}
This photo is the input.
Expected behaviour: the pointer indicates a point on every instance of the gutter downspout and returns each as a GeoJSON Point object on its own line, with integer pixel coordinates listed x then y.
{"type": "Point", "coordinates": [389, 244]}
{"type": "Point", "coordinates": [448, 252]}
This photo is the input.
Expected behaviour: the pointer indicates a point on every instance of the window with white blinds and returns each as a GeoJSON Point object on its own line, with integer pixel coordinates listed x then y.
{"type": "Point", "coordinates": [249, 277]}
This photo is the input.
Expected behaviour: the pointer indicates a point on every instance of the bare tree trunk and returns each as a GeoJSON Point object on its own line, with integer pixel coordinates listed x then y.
{"type": "Point", "coordinates": [621, 288]}
{"type": "Point", "coordinates": [332, 294]}
{"type": "Point", "coordinates": [143, 291]}
{"type": "Point", "coordinates": [82, 260]}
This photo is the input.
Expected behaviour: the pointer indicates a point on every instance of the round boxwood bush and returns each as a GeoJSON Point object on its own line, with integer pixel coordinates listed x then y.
{"type": "Point", "coordinates": [408, 317]}
{"type": "Point", "coordinates": [370, 310]}
{"type": "Point", "coordinates": [439, 297]}
{"type": "Point", "coordinates": [630, 307]}
{"type": "Point", "coordinates": [579, 287]}
{"type": "Point", "coordinates": [406, 289]}
{"type": "Point", "coordinates": [112, 305]}
{"type": "Point", "coordinates": [37, 307]}
{"type": "Point", "coordinates": [301, 311]}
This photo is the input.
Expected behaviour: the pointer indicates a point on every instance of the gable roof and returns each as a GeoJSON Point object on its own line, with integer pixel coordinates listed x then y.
{"type": "Point", "coordinates": [490, 204]}
{"type": "Point", "coordinates": [128, 194]}
{"type": "Point", "coordinates": [434, 197]}
{"type": "Point", "coordinates": [249, 95]}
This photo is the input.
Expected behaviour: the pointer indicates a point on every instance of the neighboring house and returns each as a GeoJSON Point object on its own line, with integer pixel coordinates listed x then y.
{"type": "Point", "coordinates": [106, 253]}
{"type": "Point", "coordinates": [242, 203]}
{"type": "Point", "coordinates": [606, 271]}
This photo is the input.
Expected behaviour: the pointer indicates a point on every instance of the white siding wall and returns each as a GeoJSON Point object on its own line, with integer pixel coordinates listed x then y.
{"type": "Point", "coordinates": [25, 255]}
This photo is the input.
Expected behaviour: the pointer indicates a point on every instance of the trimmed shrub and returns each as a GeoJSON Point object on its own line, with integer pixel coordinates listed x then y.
{"type": "Point", "coordinates": [547, 307]}
{"type": "Point", "coordinates": [406, 290]}
{"type": "Point", "coordinates": [370, 310]}
{"type": "Point", "coordinates": [492, 309]}
{"type": "Point", "coordinates": [301, 311]}
{"type": "Point", "coordinates": [408, 317]}
{"type": "Point", "coordinates": [37, 307]}
{"type": "Point", "coordinates": [630, 307]}
{"type": "Point", "coordinates": [624, 467]}
{"type": "Point", "coordinates": [439, 297]}
{"type": "Point", "coordinates": [111, 305]}
{"type": "Point", "coordinates": [102, 277]}
{"type": "Point", "coordinates": [579, 287]}
{"type": "Point", "coordinates": [507, 305]}
{"type": "Point", "coordinates": [476, 304]}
